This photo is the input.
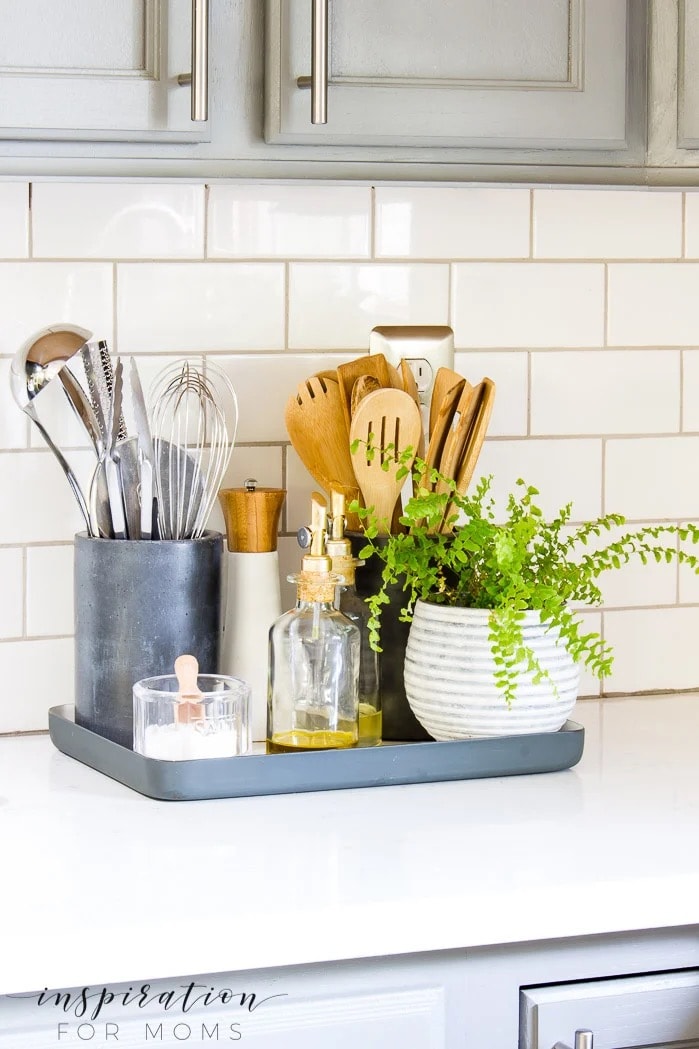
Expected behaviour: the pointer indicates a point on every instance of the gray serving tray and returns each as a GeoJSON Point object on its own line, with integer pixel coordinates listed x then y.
{"type": "Point", "coordinates": [255, 774]}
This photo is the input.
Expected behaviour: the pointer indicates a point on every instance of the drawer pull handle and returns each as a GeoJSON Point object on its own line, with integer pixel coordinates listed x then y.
{"type": "Point", "coordinates": [199, 77]}
{"type": "Point", "coordinates": [583, 1040]}
{"type": "Point", "coordinates": [318, 80]}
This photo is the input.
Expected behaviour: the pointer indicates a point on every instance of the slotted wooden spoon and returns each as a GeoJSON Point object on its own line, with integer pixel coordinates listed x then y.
{"type": "Point", "coordinates": [386, 423]}
{"type": "Point", "coordinates": [315, 422]}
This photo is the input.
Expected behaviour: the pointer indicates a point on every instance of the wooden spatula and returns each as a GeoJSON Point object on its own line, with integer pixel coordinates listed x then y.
{"type": "Point", "coordinates": [442, 422]}
{"type": "Point", "coordinates": [444, 380]}
{"type": "Point", "coordinates": [315, 422]}
{"type": "Point", "coordinates": [455, 443]}
{"type": "Point", "coordinates": [387, 422]}
{"type": "Point", "coordinates": [347, 374]}
{"type": "Point", "coordinates": [485, 397]}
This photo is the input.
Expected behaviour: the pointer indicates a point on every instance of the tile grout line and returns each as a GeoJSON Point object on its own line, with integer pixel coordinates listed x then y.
{"type": "Point", "coordinates": [529, 393]}
{"type": "Point", "coordinates": [25, 594]}
{"type": "Point", "coordinates": [372, 224]}
{"type": "Point", "coordinates": [683, 237]}
{"type": "Point", "coordinates": [605, 337]}
{"type": "Point", "coordinates": [287, 301]}
{"type": "Point", "coordinates": [30, 221]}
{"type": "Point", "coordinates": [207, 190]}
{"type": "Point", "coordinates": [115, 311]}
{"type": "Point", "coordinates": [531, 224]}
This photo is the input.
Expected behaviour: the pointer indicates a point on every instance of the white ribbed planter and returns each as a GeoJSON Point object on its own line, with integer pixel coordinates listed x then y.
{"type": "Point", "coordinates": [449, 679]}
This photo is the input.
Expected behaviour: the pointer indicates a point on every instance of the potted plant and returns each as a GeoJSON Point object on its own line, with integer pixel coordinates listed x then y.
{"type": "Point", "coordinates": [495, 642]}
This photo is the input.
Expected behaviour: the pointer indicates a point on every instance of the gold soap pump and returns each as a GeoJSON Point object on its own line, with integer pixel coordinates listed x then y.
{"type": "Point", "coordinates": [354, 606]}
{"type": "Point", "coordinates": [313, 699]}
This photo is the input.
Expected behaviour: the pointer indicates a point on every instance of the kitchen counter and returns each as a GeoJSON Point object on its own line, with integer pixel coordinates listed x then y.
{"type": "Point", "coordinates": [99, 884]}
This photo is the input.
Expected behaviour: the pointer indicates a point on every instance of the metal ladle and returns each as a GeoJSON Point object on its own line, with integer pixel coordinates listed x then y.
{"type": "Point", "coordinates": [37, 362]}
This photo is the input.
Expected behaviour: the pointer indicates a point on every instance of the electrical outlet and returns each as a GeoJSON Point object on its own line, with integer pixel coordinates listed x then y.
{"type": "Point", "coordinates": [426, 348]}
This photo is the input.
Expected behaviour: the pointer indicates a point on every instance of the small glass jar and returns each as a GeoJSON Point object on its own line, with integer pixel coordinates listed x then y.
{"type": "Point", "coordinates": [214, 724]}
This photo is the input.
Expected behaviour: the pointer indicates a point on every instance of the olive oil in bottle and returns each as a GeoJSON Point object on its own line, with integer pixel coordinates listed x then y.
{"type": "Point", "coordinates": [313, 701]}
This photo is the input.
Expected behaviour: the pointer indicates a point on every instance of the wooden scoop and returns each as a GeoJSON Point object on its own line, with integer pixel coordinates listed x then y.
{"type": "Point", "coordinates": [315, 422]}
{"type": "Point", "coordinates": [189, 708]}
{"type": "Point", "coordinates": [386, 422]}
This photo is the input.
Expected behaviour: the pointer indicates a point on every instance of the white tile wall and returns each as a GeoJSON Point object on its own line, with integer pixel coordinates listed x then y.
{"type": "Point", "coordinates": [118, 221]}
{"type": "Point", "coordinates": [14, 220]}
{"type": "Point", "coordinates": [527, 304]}
{"type": "Point", "coordinates": [606, 224]}
{"type": "Point", "coordinates": [578, 303]}
{"type": "Point", "coordinates": [299, 222]}
{"type": "Point", "coordinates": [436, 223]}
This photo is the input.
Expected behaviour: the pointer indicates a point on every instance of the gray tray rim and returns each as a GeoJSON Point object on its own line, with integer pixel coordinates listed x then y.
{"type": "Point", "coordinates": [252, 775]}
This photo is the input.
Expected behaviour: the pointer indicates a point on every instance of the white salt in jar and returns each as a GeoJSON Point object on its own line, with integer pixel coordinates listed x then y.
{"type": "Point", "coordinates": [215, 723]}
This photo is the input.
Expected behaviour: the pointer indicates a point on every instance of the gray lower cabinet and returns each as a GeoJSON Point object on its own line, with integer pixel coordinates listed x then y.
{"type": "Point", "coordinates": [660, 1010]}
{"type": "Point", "coordinates": [563, 78]}
{"type": "Point", "coordinates": [628, 989]}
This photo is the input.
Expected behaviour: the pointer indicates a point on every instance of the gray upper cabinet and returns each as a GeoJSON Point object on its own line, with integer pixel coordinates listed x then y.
{"type": "Point", "coordinates": [99, 70]}
{"type": "Point", "coordinates": [673, 126]}
{"type": "Point", "coordinates": [488, 79]}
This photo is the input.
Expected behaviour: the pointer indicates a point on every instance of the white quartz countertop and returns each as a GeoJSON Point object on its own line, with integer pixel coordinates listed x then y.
{"type": "Point", "coordinates": [98, 883]}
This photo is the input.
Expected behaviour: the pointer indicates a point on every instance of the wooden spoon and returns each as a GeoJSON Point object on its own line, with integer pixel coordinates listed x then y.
{"type": "Point", "coordinates": [388, 422]}
{"type": "Point", "coordinates": [347, 374]}
{"type": "Point", "coordinates": [364, 385]}
{"type": "Point", "coordinates": [410, 387]}
{"type": "Point", "coordinates": [315, 422]}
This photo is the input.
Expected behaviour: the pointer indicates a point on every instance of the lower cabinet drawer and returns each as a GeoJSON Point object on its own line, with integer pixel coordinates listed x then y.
{"type": "Point", "coordinates": [654, 1010]}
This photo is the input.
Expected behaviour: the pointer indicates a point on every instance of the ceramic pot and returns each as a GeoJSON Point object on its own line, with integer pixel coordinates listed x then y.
{"type": "Point", "coordinates": [450, 684]}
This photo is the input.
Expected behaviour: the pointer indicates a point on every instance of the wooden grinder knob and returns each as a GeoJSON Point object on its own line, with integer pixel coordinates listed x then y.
{"type": "Point", "coordinates": [252, 517]}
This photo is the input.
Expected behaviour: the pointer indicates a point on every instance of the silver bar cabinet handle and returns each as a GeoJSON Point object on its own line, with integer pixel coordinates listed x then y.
{"type": "Point", "coordinates": [199, 77]}
{"type": "Point", "coordinates": [583, 1040]}
{"type": "Point", "coordinates": [319, 62]}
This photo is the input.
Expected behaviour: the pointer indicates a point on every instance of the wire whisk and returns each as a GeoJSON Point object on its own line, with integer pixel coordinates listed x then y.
{"type": "Point", "coordinates": [194, 421]}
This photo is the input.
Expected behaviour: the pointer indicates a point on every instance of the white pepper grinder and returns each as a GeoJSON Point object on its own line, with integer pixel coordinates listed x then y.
{"type": "Point", "coordinates": [253, 596]}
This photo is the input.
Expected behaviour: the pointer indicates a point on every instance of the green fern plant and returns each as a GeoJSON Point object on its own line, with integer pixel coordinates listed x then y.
{"type": "Point", "coordinates": [509, 566]}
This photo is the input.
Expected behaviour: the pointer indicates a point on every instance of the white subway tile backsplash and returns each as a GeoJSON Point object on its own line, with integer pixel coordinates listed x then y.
{"type": "Point", "coordinates": [653, 304]}
{"type": "Point", "coordinates": [563, 471]}
{"type": "Point", "coordinates": [691, 225]}
{"type": "Point", "coordinates": [195, 307]}
{"type": "Point", "coordinates": [514, 304]}
{"type": "Point", "coordinates": [607, 224]}
{"type": "Point", "coordinates": [14, 220]}
{"type": "Point", "coordinates": [636, 584]}
{"type": "Point", "coordinates": [688, 576]}
{"type": "Point", "coordinates": [140, 220]}
{"type": "Point", "coordinates": [452, 223]}
{"type": "Point", "coordinates": [652, 478]}
{"type": "Point", "coordinates": [56, 414]}
{"type": "Point", "coordinates": [12, 589]}
{"type": "Point", "coordinates": [599, 417]}
{"type": "Point", "coordinates": [590, 684]}
{"type": "Point", "coordinates": [654, 649]}
{"type": "Point", "coordinates": [14, 426]}
{"type": "Point", "coordinates": [43, 508]}
{"type": "Point", "coordinates": [49, 590]}
{"type": "Point", "coordinates": [263, 385]}
{"type": "Point", "coordinates": [605, 392]}
{"type": "Point", "coordinates": [334, 306]}
{"type": "Point", "coordinates": [36, 675]}
{"type": "Point", "coordinates": [34, 295]}
{"type": "Point", "coordinates": [690, 390]}
{"type": "Point", "coordinates": [509, 373]}
{"type": "Point", "coordinates": [305, 221]}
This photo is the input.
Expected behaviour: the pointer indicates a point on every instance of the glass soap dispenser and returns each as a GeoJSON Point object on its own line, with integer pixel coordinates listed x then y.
{"type": "Point", "coordinates": [355, 608]}
{"type": "Point", "coordinates": [313, 699]}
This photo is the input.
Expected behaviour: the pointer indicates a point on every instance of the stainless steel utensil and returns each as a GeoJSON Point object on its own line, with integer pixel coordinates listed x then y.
{"type": "Point", "coordinates": [195, 412]}
{"type": "Point", "coordinates": [37, 362]}
{"type": "Point", "coordinates": [110, 457]}
{"type": "Point", "coordinates": [146, 453]}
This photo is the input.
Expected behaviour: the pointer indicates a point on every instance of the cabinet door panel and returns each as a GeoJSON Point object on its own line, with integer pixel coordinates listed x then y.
{"type": "Point", "coordinates": [96, 69]}
{"type": "Point", "coordinates": [550, 74]}
{"type": "Point", "coordinates": [624, 1013]}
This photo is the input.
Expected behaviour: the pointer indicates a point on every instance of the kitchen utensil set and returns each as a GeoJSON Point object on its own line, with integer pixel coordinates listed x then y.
{"type": "Point", "coordinates": [374, 408]}
{"type": "Point", "coordinates": [160, 482]}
